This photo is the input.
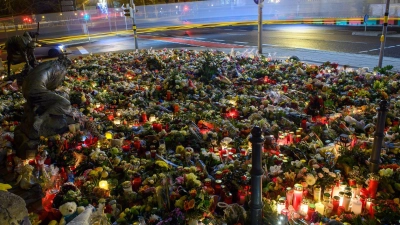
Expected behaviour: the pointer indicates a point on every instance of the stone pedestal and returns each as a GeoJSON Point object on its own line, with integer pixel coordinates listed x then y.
{"type": "Point", "coordinates": [26, 136]}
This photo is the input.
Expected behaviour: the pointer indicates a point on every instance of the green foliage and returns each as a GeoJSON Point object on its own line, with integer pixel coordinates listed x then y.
{"type": "Point", "coordinates": [378, 85]}
{"type": "Point", "coordinates": [383, 70]}
{"type": "Point", "coordinates": [154, 63]}
{"type": "Point", "coordinates": [208, 68]}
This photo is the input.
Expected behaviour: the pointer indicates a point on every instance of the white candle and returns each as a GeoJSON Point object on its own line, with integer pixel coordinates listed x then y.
{"type": "Point", "coordinates": [356, 206]}
{"type": "Point", "coordinates": [103, 184]}
{"type": "Point", "coordinates": [320, 208]}
{"type": "Point", "coordinates": [117, 121]}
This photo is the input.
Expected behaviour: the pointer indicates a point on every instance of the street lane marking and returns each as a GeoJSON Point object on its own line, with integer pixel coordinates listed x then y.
{"type": "Point", "coordinates": [228, 29]}
{"type": "Point", "coordinates": [199, 43]}
{"type": "Point", "coordinates": [218, 40]}
{"type": "Point", "coordinates": [200, 38]}
{"type": "Point", "coordinates": [355, 42]}
{"type": "Point", "coordinates": [240, 42]}
{"type": "Point", "coordinates": [390, 47]}
{"type": "Point", "coordinates": [363, 52]}
{"type": "Point", "coordinates": [82, 50]}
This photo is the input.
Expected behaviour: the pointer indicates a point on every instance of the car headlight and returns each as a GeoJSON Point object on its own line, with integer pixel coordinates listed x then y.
{"type": "Point", "coordinates": [61, 47]}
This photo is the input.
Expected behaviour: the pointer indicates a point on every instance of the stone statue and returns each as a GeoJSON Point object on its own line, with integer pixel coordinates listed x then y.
{"type": "Point", "coordinates": [21, 49]}
{"type": "Point", "coordinates": [47, 112]}
{"type": "Point", "coordinates": [13, 209]}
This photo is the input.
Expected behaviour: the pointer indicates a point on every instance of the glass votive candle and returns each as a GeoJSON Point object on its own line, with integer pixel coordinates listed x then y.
{"type": "Point", "coordinates": [297, 196]}
{"type": "Point", "coordinates": [289, 196]}
{"type": "Point", "coordinates": [311, 210]}
{"type": "Point", "coordinates": [373, 185]}
{"type": "Point", "coordinates": [335, 203]}
{"type": "Point", "coordinates": [320, 208]}
{"type": "Point", "coordinates": [346, 201]}
{"type": "Point", "coordinates": [317, 193]}
{"type": "Point", "coordinates": [341, 196]}
{"type": "Point", "coordinates": [217, 186]}
{"type": "Point", "coordinates": [304, 208]}
{"type": "Point", "coordinates": [281, 205]}
{"type": "Point", "coordinates": [356, 206]}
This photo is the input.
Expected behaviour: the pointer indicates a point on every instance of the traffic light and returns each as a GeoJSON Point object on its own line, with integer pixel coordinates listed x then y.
{"type": "Point", "coordinates": [127, 12]}
{"type": "Point", "coordinates": [86, 17]}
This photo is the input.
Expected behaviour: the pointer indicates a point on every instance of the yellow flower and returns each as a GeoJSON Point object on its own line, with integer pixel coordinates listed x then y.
{"type": "Point", "coordinates": [93, 173]}
{"type": "Point", "coordinates": [99, 169]}
{"type": "Point", "coordinates": [4, 187]}
{"type": "Point", "coordinates": [122, 215]}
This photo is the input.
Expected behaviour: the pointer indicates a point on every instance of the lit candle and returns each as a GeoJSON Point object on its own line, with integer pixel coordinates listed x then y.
{"type": "Point", "coordinates": [341, 195]}
{"type": "Point", "coordinates": [343, 185]}
{"type": "Point", "coordinates": [289, 196]}
{"type": "Point", "coordinates": [354, 191]}
{"type": "Point", "coordinates": [335, 203]}
{"type": "Point", "coordinates": [103, 184]}
{"type": "Point", "coordinates": [297, 196]}
{"type": "Point", "coordinates": [346, 201]}
{"type": "Point", "coordinates": [356, 206]}
{"type": "Point", "coordinates": [373, 185]}
{"type": "Point", "coordinates": [328, 205]}
{"type": "Point", "coordinates": [335, 191]}
{"type": "Point", "coordinates": [368, 204]}
{"type": "Point", "coordinates": [317, 193]}
{"type": "Point", "coordinates": [117, 121]}
{"type": "Point", "coordinates": [152, 118]}
{"type": "Point", "coordinates": [109, 135]}
{"type": "Point", "coordinates": [281, 205]}
{"type": "Point", "coordinates": [311, 210]}
{"type": "Point", "coordinates": [304, 208]}
{"type": "Point", "coordinates": [217, 186]}
{"type": "Point", "coordinates": [320, 208]}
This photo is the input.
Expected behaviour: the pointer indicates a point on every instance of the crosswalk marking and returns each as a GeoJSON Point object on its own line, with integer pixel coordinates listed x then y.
{"type": "Point", "coordinates": [82, 50]}
{"type": "Point", "coordinates": [240, 42]}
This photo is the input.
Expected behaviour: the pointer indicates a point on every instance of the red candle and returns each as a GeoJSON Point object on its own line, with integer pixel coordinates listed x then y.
{"type": "Point", "coordinates": [352, 182]}
{"type": "Point", "coordinates": [136, 143]}
{"type": "Point", "coordinates": [340, 210]}
{"type": "Point", "coordinates": [373, 185]}
{"type": "Point", "coordinates": [297, 196]}
{"type": "Point", "coordinates": [335, 203]}
{"type": "Point", "coordinates": [157, 127]}
{"type": "Point", "coordinates": [144, 117]}
{"type": "Point", "coordinates": [311, 211]}
{"type": "Point", "coordinates": [284, 88]}
{"type": "Point", "coordinates": [126, 148]}
{"type": "Point", "coordinates": [241, 197]}
{"type": "Point", "coordinates": [137, 181]}
{"type": "Point", "coordinates": [153, 153]}
{"type": "Point", "coordinates": [372, 210]}
{"type": "Point", "coordinates": [168, 95]}
{"type": "Point", "coordinates": [217, 187]}
{"type": "Point", "coordinates": [304, 124]}
{"type": "Point", "coordinates": [218, 175]}
{"type": "Point", "coordinates": [228, 198]}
